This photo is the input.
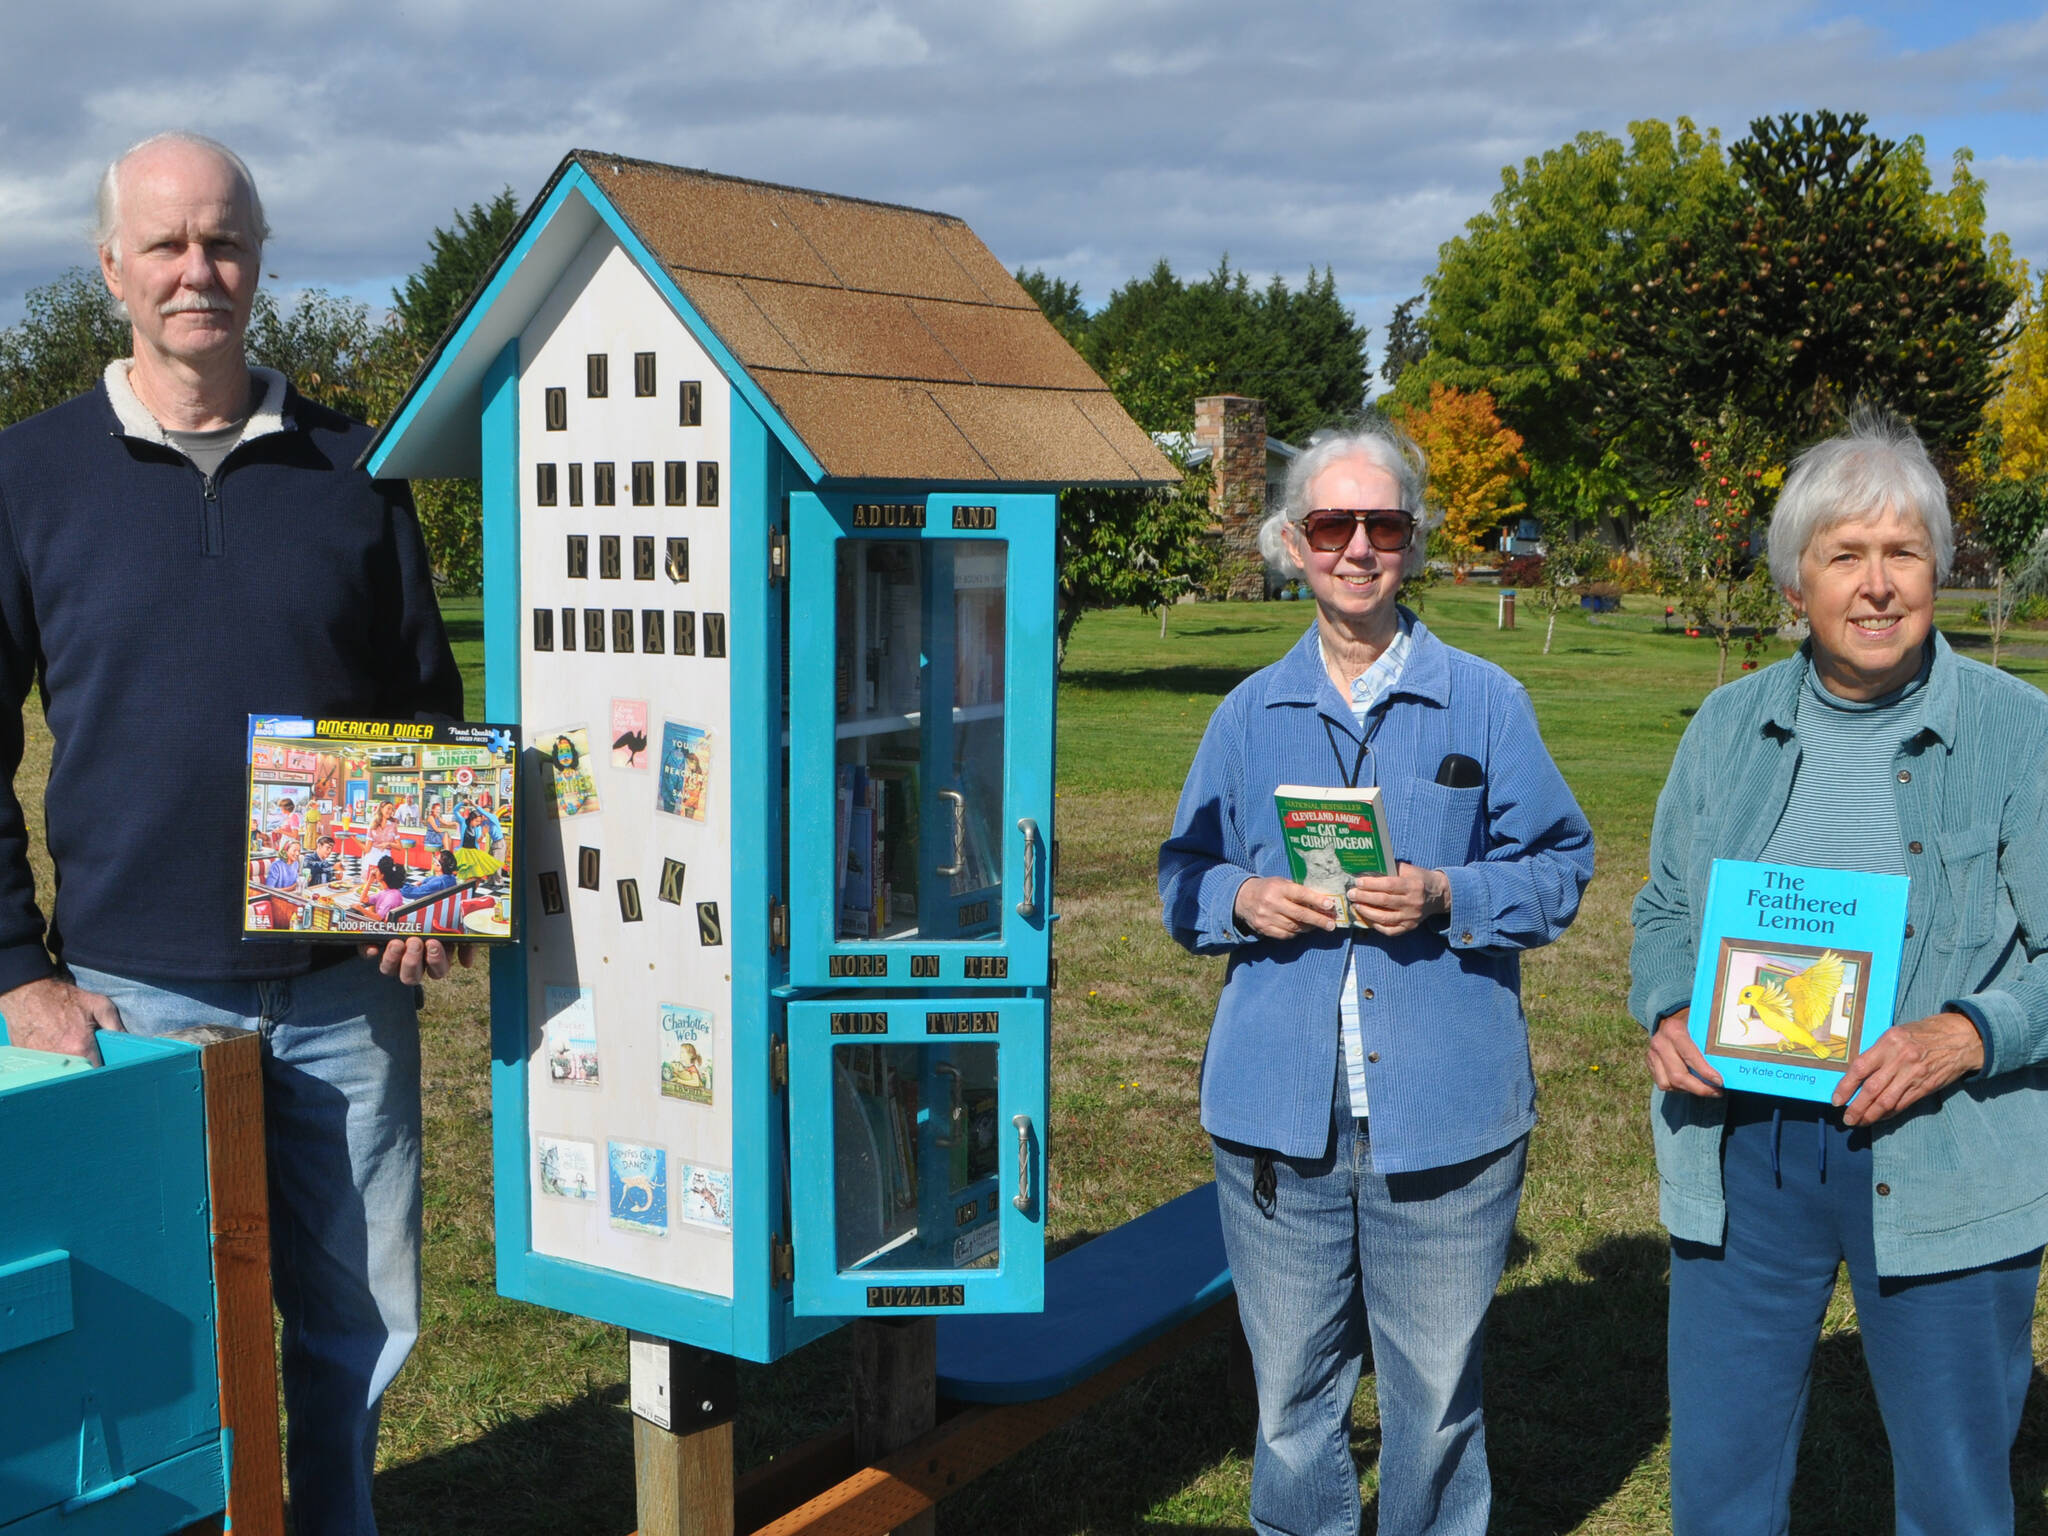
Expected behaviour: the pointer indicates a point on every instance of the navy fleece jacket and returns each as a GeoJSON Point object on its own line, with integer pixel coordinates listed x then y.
{"type": "Point", "coordinates": [157, 612]}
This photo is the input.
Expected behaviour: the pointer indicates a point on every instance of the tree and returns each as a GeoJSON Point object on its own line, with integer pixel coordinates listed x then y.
{"type": "Point", "coordinates": [1143, 549]}
{"type": "Point", "coordinates": [63, 342]}
{"type": "Point", "coordinates": [2010, 516]}
{"type": "Point", "coordinates": [1707, 544]}
{"type": "Point", "coordinates": [1822, 277]}
{"type": "Point", "coordinates": [2019, 416]}
{"type": "Point", "coordinates": [424, 307]}
{"type": "Point", "coordinates": [1058, 299]}
{"type": "Point", "coordinates": [1569, 562]}
{"type": "Point", "coordinates": [427, 302]}
{"type": "Point", "coordinates": [1301, 352]}
{"type": "Point", "coordinates": [325, 345]}
{"type": "Point", "coordinates": [1475, 463]}
{"type": "Point", "coordinates": [1407, 340]}
{"type": "Point", "coordinates": [1522, 299]}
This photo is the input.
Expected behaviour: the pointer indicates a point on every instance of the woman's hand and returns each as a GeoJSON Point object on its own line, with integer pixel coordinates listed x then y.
{"type": "Point", "coordinates": [1676, 1064]}
{"type": "Point", "coordinates": [1399, 902]}
{"type": "Point", "coordinates": [1905, 1064]}
{"type": "Point", "coordinates": [1275, 908]}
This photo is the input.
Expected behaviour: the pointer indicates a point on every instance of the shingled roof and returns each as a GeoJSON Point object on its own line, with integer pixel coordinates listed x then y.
{"type": "Point", "coordinates": [890, 339]}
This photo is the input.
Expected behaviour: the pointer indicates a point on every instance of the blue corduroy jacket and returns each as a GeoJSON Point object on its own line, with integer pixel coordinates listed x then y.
{"type": "Point", "coordinates": [1440, 1010]}
{"type": "Point", "coordinates": [1961, 1178]}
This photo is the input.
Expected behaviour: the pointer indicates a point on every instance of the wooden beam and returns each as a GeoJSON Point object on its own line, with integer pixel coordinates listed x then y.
{"type": "Point", "coordinates": [910, 1482]}
{"type": "Point", "coordinates": [238, 1181]}
{"type": "Point", "coordinates": [683, 1400]}
{"type": "Point", "coordinates": [895, 1393]}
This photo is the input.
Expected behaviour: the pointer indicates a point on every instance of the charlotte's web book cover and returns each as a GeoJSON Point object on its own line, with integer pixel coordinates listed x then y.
{"type": "Point", "coordinates": [1332, 835]}
{"type": "Point", "coordinates": [1798, 973]}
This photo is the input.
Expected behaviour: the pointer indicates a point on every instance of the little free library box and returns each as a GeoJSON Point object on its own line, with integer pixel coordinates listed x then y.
{"type": "Point", "coordinates": [770, 479]}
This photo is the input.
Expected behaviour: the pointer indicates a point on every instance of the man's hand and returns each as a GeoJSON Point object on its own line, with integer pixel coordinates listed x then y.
{"type": "Point", "coordinates": [1399, 902]}
{"type": "Point", "coordinates": [53, 1015]}
{"type": "Point", "coordinates": [411, 960]}
{"type": "Point", "coordinates": [1908, 1062]}
{"type": "Point", "coordinates": [1279, 909]}
{"type": "Point", "coordinates": [1676, 1064]}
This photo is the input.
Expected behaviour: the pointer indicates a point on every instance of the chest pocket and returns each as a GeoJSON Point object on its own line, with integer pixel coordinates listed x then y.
{"type": "Point", "coordinates": [1440, 826]}
{"type": "Point", "coordinates": [1969, 866]}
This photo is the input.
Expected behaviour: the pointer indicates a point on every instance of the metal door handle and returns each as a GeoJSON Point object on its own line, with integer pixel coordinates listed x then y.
{"type": "Point", "coordinates": [1022, 1199]}
{"type": "Point", "coordinates": [959, 832]}
{"type": "Point", "coordinates": [1030, 902]}
{"type": "Point", "coordinates": [952, 1074]}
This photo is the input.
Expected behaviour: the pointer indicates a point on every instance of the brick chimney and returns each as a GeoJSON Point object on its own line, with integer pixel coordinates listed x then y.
{"type": "Point", "coordinates": [1233, 429]}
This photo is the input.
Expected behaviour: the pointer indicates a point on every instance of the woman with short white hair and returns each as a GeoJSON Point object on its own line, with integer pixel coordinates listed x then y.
{"type": "Point", "coordinates": [1367, 1086]}
{"type": "Point", "coordinates": [1874, 748]}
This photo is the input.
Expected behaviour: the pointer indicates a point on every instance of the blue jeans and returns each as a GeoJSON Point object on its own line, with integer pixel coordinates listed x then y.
{"type": "Point", "coordinates": [341, 1067]}
{"type": "Point", "coordinates": [1334, 1250]}
{"type": "Point", "coordinates": [1950, 1355]}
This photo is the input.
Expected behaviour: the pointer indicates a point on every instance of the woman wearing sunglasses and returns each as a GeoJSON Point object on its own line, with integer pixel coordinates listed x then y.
{"type": "Point", "coordinates": [1368, 1088]}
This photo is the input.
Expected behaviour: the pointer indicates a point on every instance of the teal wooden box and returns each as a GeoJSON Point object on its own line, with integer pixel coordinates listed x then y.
{"type": "Point", "coordinates": [109, 1398]}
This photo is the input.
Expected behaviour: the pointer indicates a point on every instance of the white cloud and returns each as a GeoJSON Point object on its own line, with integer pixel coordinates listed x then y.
{"type": "Point", "coordinates": [1086, 136]}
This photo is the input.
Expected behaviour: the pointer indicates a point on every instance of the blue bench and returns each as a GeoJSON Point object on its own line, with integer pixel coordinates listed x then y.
{"type": "Point", "coordinates": [1103, 1300]}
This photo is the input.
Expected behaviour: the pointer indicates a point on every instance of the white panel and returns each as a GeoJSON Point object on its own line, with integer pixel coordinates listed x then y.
{"type": "Point", "coordinates": [603, 304]}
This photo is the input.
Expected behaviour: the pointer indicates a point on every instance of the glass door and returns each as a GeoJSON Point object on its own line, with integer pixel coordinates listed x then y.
{"type": "Point", "coordinates": [917, 1155]}
{"type": "Point", "coordinates": [921, 664]}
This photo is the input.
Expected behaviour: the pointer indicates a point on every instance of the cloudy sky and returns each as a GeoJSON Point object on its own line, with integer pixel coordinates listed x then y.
{"type": "Point", "coordinates": [1089, 137]}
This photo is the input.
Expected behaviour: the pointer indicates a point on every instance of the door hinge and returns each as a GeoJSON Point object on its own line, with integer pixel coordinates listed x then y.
{"type": "Point", "coordinates": [778, 1061]}
{"type": "Point", "coordinates": [778, 555]}
{"type": "Point", "coordinates": [778, 924]}
{"type": "Point", "coordinates": [781, 1260]}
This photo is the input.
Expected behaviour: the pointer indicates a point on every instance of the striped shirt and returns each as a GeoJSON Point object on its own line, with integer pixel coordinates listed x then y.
{"type": "Point", "coordinates": [1844, 811]}
{"type": "Point", "coordinates": [1367, 689]}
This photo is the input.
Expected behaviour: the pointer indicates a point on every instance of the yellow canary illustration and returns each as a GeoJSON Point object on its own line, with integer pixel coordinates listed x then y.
{"type": "Point", "coordinates": [1797, 1010]}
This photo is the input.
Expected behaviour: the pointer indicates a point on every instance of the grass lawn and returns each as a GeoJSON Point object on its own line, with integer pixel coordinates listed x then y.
{"type": "Point", "coordinates": [512, 1419]}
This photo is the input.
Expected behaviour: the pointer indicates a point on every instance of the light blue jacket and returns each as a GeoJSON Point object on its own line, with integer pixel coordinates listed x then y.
{"type": "Point", "coordinates": [1961, 1178]}
{"type": "Point", "coordinates": [1440, 1011]}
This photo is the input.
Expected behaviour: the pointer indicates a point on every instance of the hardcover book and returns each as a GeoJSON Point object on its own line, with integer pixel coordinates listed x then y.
{"type": "Point", "coordinates": [370, 829]}
{"type": "Point", "coordinates": [1333, 835]}
{"type": "Point", "coordinates": [1798, 973]}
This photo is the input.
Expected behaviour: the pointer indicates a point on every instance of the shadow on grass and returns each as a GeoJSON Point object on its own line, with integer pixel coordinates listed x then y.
{"type": "Point", "coordinates": [1182, 680]}
{"type": "Point", "coordinates": [464, 631]}
{"type": "Point", "coordinates": [567, 1471]}
{"type": "Point", "coordinates": [1575, 1403]}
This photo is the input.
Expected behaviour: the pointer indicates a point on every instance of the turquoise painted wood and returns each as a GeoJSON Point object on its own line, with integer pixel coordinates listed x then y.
{"type": "Point", "coordinates": [109, 1402]}
{"type": "Point", "coordinates": [1007, 939]}
{"type": "Point", "coordinates": [891, 1219]}
{"type": "Point", "coordinates": [758, 1322]}
{"type": "Point", "coordinates": [984, 947]}
{"type": "Point", "coordinates": [1104, 1300]}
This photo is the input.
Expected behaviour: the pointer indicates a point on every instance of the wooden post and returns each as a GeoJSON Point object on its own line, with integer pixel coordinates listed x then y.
{"type": "Point", "coordinates": [895, 1393]}
{"type": "Point", "coordinates": [683, 1401]}
{"type": "Point", "coordinates": [238, 1180]}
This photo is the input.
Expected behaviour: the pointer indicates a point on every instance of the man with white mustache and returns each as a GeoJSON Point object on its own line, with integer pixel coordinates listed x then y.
{"type": "Point", "coordinates": [185, 544]}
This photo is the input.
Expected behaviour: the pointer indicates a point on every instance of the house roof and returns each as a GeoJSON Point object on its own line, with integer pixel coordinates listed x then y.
{"type": "Point", "coordinates": [888, 341]}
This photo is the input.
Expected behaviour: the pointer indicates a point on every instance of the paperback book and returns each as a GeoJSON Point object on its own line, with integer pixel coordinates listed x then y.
{"type": "Point", "coordinates": [1333, 835]}
{"type": "Point", "coordinates": [1798, 973]}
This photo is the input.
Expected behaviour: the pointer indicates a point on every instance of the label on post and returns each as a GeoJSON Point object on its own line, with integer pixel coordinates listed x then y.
{"type": "Point", "coordinates": [648, 1368]}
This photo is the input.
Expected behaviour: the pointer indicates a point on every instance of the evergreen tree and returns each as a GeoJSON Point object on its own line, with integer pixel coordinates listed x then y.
{"type": "Point", "coordinates": [1058, 299]}
{"type": "Point", "coordinates": [1816, 280]}
{"type": "Point", "coordinates": [458, 257]}
{"type": "Point", "coordinates": [1407, 340]}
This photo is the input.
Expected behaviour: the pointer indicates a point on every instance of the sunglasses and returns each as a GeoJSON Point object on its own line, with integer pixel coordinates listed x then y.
{"type": "Point", "coordinates": [1328, 529]}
